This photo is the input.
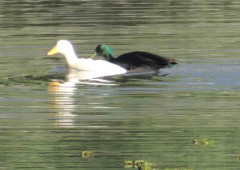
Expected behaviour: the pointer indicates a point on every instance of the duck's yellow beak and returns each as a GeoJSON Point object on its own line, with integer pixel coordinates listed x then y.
{"type": "Point", "coordinates": [93, 55]}
{"type": "Point", "coordinates": [53, 51]}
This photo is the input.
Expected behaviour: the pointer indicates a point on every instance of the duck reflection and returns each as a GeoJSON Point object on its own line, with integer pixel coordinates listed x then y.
{"type": "Point", "coordinates": [63, 102]}
{"type": "Point", "coordinates": [64, 90]}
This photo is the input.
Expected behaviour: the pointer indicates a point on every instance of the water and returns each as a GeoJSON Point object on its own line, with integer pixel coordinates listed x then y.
{"type": "Point", "coordinates": [150, 118]}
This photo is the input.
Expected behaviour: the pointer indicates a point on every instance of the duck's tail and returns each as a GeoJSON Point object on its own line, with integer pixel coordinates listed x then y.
{"type": "Point", "coordinates": [170, 63]}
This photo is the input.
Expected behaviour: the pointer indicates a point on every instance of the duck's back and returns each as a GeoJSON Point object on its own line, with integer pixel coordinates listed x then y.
{"type": "Point", "coordinates": [140, 59]}
{"type": "Point", "coordinates": [100, 66]}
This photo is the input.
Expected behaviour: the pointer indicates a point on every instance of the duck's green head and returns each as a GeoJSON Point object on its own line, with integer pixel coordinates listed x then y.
{"type": "Point", "coordinates": [104, 51]}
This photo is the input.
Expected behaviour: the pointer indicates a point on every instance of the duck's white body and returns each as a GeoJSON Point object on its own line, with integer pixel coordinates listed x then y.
{"type": "Point", "coordinates": [99, 67]}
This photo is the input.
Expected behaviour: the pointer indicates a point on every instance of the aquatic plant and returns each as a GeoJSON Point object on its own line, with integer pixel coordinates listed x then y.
{"type": "Point", "coordinates": [203, 141]}
{"type": "Point", "coordinates": [87, 154]}
{"type": "Point", "coordinates": [139, 164]}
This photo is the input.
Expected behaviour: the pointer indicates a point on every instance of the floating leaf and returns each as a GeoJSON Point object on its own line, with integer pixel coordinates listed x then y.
{"type": "Point", "coordinates": [128, 164]}
{"type": "Point", "coordinates": [204, 141]}
{"type": "Point", "coordinates": [87, 154]}
{"type": "Point", "coordinates": [139, 164]}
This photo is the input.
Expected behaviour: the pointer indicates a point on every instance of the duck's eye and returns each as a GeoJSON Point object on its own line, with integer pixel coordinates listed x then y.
{"type": "Point", "coordinates": [61, 43]}
{"type": "Point", "coordinates": [102, 47]}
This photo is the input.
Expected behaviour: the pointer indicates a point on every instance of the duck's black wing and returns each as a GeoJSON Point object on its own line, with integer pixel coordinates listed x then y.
{"type": "Point", "coordinates": [140, 59]}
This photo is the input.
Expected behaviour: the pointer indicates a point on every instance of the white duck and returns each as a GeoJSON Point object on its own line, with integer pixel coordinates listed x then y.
{"type": "Point", "coordinates": [100, 68]}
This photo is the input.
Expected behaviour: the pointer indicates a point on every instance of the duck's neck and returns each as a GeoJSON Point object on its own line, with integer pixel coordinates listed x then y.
{"type": "Point", "coordinates": [109, 57]}
{"type": "Point", "coordinates": [71, 58]}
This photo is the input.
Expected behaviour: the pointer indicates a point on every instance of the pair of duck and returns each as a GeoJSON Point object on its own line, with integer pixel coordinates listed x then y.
{"type": "Point", "coordinates": [113, 66]}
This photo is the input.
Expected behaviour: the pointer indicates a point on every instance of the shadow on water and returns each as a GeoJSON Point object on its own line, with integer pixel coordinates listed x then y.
{"type": "Point", "coordinates": [63, 75]}
{"type": "Point", "coordinates": [188, 75]}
